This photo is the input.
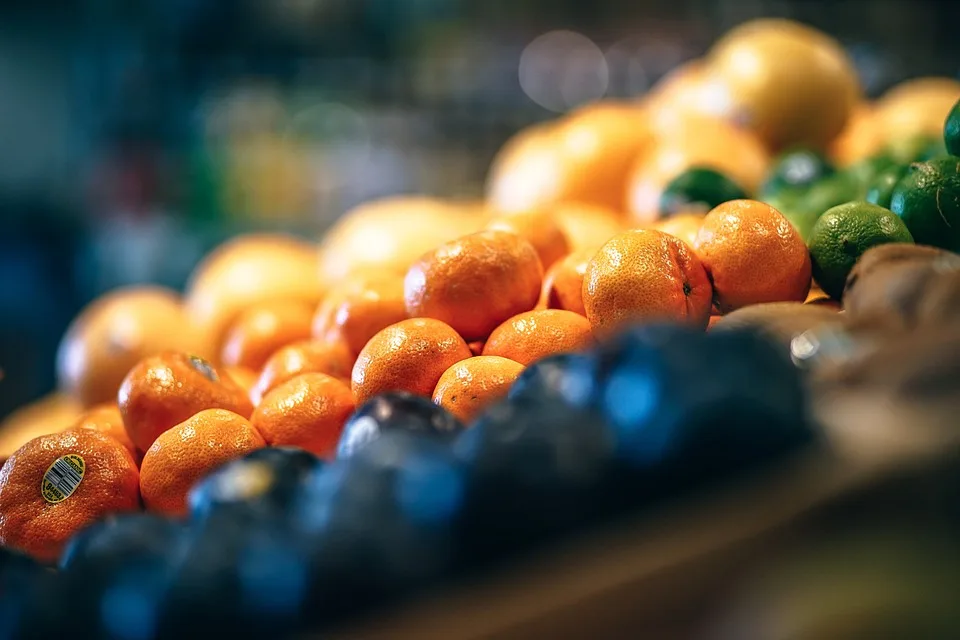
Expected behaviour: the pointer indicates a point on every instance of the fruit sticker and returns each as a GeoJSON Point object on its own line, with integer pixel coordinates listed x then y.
{"type": "Point", "coordinates": [62, 478]}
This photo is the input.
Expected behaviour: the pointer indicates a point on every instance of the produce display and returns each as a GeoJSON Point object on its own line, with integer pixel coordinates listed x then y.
{"type": "Point", "coordinates": [643, 307]}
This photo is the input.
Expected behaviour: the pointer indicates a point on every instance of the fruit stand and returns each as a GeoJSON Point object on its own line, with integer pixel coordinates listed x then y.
{"type": "Point", "coordinates": [687, 370]}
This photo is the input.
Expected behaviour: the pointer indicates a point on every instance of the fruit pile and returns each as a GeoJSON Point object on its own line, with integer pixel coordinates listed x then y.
{"type": "Point", "coordinates": [642, 307]}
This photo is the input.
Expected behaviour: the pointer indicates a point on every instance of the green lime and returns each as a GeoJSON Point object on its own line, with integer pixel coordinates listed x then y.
{"type": "Point", "coordinates": [951, 131]}
{"type": "Point", "coordinates": [698, 188]}
{"type": "Point", "coordinates": [843, 233]}
{"type": "Point", "coordinates": [794, 169]}
{"type": "Point", "coordinates": [927, 198]}
{"type": "Point", "coordinates": [803, 206]}
{"type": "Point", "coordinates": [916, 149]}
{"type": "Point", "coordinates": [881, 187]}
{"type": "Point", "coordinates": [865, 171]}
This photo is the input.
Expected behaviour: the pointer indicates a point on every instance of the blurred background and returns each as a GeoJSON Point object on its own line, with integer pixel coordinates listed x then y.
{"type": "Point", "coordinates": [137, 134]}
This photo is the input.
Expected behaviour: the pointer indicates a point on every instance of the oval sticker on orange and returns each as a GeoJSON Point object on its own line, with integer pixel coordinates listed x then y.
{"type": "Point", "coordinates": [62, 478]}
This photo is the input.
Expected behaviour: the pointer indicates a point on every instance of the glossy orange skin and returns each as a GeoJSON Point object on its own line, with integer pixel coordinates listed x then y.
{"type": "Point", "coordinates": [753, 255]}
{"type": "Point", "coordinates": [475, 283]}
{"type": "Point", "coordinates": [262, 329]}
{"type": "Point", "coordinates": [530, 336]}
{"type": "Point", "coordinates": [470, 386]}
{"type": "Point", "coordinates": [644, 275]}
{"type": "Point", "coordinates": [107, 420]}
{"type": "Point", "coordinates": [307, 356]}
{"type": "Point", "coordinates": [243, 376]}
{"type": "Point", "coordinates": [308, 411]}
{"type": "Point", "coordinates": [355, 311]}
{"type": "Point", "coordinates": [182, 455]}
{"type": "Point", "coordinates": [110, 484]}
{"type": "Point", "coordinates": [587, 226]}
{"type": "Point", "coordinates": [163, 391]}
{"type": "Point", "coordinates": [685, 226]}
{"type": "Point", "coordinates": [563, 284]}
{"type": "Point", "coordinates": [407, 356]}
{"type": "Point", "coordinates": [115, 332]}
{"type": "Point", "coordinates": [539, 229]}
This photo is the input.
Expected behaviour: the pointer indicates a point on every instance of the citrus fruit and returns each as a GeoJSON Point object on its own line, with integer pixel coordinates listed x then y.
{"type": "Point", "coordinates": [467, 388]}
{"type": "Point", "coordinates": [791, 84]}
{"type": "Point", "coordinates": [698, 188]}
{"type": "Point", "coordinates": [843, 234]}
{"type": "Point", "coordinates": [927, 198]}
{"type": "Point", "coordinates": [262, 329]}
{"type": "Point", "coordinates": [919, 148]}
{"type": "Point", "coordinates": [697, 142]}
{"type": "Point", "coordinates": [408, 356]}
{"type": "Point", "coordinates": [531, 336]}
{"type": "Point", "coordinates": [645, 275]}
{"type": "Point", "coordinates": [308, 356]}
{"type": "Point", "coordinates": [796, 168]}
{"type": "Point", "coordinates": [246, 271]}
{"type": "Point", "coordinates": [684, 226]}
{"type": "Point", "coordinates": [753, 254]}
{"type": "Point", "coordinates": [476, 347]}
{"type": "Point", "coordinates": [307, 411]}
{"type": "Point", "coordinates": [107, 420]}
{"type": "Point", "coordinates": [50, 414]}
{"type": "Point", "coordinates": [115, 332]}
{"type": "Point", "coordinates": [859, 139]}
{"type": "Point", "coordinates": [475, 282]}
{"type": "Point", "coordinates": [584, 157]}
{"type": "Point", "coordinates": [865, 171]}
{"type": "Point", "coordinates": [355, 310]}
{"type": "Point", "coordinates": [916, 107]}
{"type": "Point", "coordinates": [586, 226]}
{"type": "Point", "coordinates": [391, 233]}
{"type": "Point", "coordinates": [880, 189]}
{"type": "Point", "coordinates": [185, 453]}
{"type": "Point", "coordinates": [803, 206]}
{"type": "Point", "coordinates": [245, 377]}
{"type": "Point", "coordinates": [539, 229]}
{"type": "Point", "coordinates": [563, 283]}
{"type": "Point", "coordinates": [164, 390]}
{"type": "Point", "coordinates": [951, 131]}
{"type": "Point", "coordinates": [57, 484]}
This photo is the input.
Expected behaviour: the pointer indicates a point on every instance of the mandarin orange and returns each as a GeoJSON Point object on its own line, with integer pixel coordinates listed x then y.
{"type": "Point", "coordinates": [264, 328]}
{"type": "Point", "coordinates": [472, 385]}
{"type": "Point", "coordinates": [531, 336]}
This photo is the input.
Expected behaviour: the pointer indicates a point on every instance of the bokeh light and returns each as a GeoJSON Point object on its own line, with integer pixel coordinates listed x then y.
{"type": "Point", "coordinates": [561, 70]}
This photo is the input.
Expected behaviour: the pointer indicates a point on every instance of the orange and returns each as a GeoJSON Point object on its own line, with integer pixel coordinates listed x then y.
{"type": "Point", "coordinates": [916, 107]}
{"type": "Point", "coordinates": [539, 229]}
{"type": "Point", "coordinates": [683, 225]}
{"type": "Point", "coordinates": [859, 139]}
{"type": "Point", "coordinates": [475, 283]}
{"type": "Point", "coordinates": [584, 157]}
{"type": "Point", "coordinates": [50, 414]}
{"type": "Point", "coordinates": [262, 329]}
{"type": "Point", "coordinates": [563, 284]}
{"type": "Point", "coordinates": [250, 270]}
{"type": "Point", "coordinates": [357, 309]}
{"type": "Point", "coordinates": [753, 254]}
{"type": "Point", "coordinates": [57, 484]}
{"type": "Point", "coordinates": [815, 293]}
{"type": "Point", "coordinates": [115, 332]}
{"type": "Point", "coordinates": [531, 336]}
{"type": "Point", "coordinates": [645, 275]}
{"type": "Point", "coordinates": [470, 386]}
{"type": "Point", "coordinates": [408, 356]}
{"type": "Point", "coordinates": [307, 411]}
{"type": "Point", "coordinates": [714, 319]}
{"type": "Point", "coordinates": [182, 455]}
{"type": "Point", "coordinates": [587, 226]}
{"type": "Point", "coordinates": [476, 348]}
{"type": "Point", "coordinates": [308, 356]}
{"type": "Point", "coordinates": [107, 420]}
{"type": "Point", "coordinates": [390, 234]}
{"type": "Point", "coordinates": [791, 84]}
{"type": "Point", "coordinates": [163, 391]}
{"type": "Point", "coordinates": [243, 376]}
{"type": "Point", "coordinates": [695, 142]}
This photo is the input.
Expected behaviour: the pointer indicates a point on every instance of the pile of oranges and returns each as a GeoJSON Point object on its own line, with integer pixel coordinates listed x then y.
{"type": "Point", "coordinates": [277, 341]}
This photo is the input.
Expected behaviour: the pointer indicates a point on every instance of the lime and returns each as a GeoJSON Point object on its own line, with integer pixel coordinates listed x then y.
{"type": "Point", "coordinates": [794, 169]}
{"type": "Point", "coordinates": [842, 234]}
{"type": "Point", "coordinates": [916, 149]}
{"type": "Point", "coordinates": [927, 198]}
{"type": "Point", "coordinates": [698, 188]}
{"type": "Point", "coordinates": [881, 187]}
{"type": "Point", "coordinates": [866, 171]}
{"type": "Point", "coordinates": [802, 206]}
{"type": "Point", "coordinates": [951, 131]}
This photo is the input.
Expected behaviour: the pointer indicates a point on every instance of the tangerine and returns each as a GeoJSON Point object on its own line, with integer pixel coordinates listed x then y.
{"type": "Point", "coordinates": [262, 329]}
{"type": "Point", "coordinates": [534, 335]}
{"type": "Point", "coordinates": [356, 310]}
{"type": "Point", "coordinates": [539, 229]}
{"type": "Point", "coordinates": [472, 385]}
